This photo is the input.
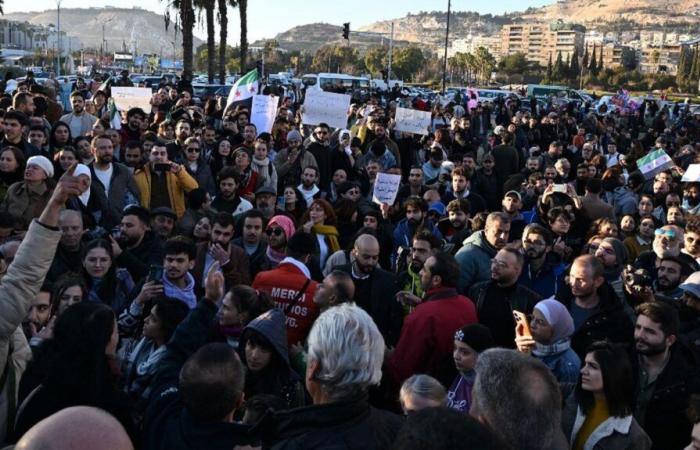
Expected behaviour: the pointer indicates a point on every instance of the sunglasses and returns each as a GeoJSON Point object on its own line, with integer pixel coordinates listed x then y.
{"type": "Point", "coordinates": [275, 231]}
{"type": "Point", "coordinates": [668, 233]}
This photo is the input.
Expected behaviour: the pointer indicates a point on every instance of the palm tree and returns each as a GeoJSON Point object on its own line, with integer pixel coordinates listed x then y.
{"type": "Point", "coordinates": [223, 35]}
{"type": "Point", "coordinates": [208, 7]}
{"type": "Point", "coordinates": [186, 24]}
{"type": "Point", "coordinates": [243, 12]}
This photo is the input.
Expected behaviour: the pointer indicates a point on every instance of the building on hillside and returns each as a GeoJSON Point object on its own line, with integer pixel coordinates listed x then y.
{"type": "Point", "coordinates": [471, 43]}
{"type": "Point", "coordinates": [660, 58]}
{"type": "Point", "coordinates": [614, 54]}
{"type": "Point", "coordinates": [539, 41]}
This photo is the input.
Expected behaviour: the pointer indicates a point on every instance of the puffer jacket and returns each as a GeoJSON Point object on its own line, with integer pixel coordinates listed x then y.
{"type": "Point", "coordinates": [19, 286]}
{"type": "Point", "coordinates": [474, 260]}
{"type": "Point", "coordinates": [178, 184]}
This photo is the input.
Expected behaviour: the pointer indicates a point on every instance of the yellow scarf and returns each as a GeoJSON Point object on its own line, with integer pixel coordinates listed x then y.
{"type": "Point", "coordinates": [331, 234]}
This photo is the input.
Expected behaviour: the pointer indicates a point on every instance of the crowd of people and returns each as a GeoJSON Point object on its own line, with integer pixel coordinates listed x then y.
{"type": "Point", "coordinates": [181, 280]}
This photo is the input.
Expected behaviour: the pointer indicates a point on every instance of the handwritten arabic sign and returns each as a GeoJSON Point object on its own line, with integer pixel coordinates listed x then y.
{"type": "Point", "coordinates": [412, 121]}
{"type": "Point", "coordinates": [386, 186]}
{"type": "Point", "coordinates": [126, 98]}
{"type": "Point", "coordinates": [326, 107]}
{"type": "Point", "coordinates": [263, 112]}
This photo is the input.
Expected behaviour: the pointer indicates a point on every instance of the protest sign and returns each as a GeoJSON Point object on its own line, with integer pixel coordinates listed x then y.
{"type": "Point", "coordinates": [326, 107]}
{"type": "Point", "coordinates": [263, 112]}
{"type": "Point", "coordinates": [692, 174]}
{"type": "Point", "coordinates": [386, 186]}
{"type": "Point", "coordinates": [126, 98]}
{"type": "Point", "coordinates": [412, 121]}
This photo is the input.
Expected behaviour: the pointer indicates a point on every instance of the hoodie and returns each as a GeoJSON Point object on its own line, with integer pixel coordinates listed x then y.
{"type": "Point", "coordinates": [474, 260]}
{"type": "Point", "coordinates": [185, 295]}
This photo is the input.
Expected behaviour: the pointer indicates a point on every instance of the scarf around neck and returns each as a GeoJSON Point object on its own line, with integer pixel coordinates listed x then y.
{"type": "Point", "coordinates": [542, 350]}
{"type": "Point", "coordinates": [331, 234]}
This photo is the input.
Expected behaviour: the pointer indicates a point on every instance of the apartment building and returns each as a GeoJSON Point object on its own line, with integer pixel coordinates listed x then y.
{"type": "Point", "coordinates": [539, 40]}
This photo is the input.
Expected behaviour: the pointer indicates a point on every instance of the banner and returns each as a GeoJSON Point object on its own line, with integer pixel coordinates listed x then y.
{"type": "Point", "coordinates": [326, 107]}
{"type": "Point", "coordinates": [655, 162]}
{"type": "Point", "coordinates": [692, 174]}
{"type": "Point", "coordinates": [412, 121]}
{"type": "Point", "coordinates": [263, 112]}
{"type": "Point", "coordinates": [386, 186]}
{"type": "Point", "coordinates": [126, 98]}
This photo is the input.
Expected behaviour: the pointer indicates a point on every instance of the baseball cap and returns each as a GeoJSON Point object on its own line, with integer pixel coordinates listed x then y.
{"type": "Point", "coordinates": [514, 194]}
{"type": "Point", "coordinates": [692, 284]}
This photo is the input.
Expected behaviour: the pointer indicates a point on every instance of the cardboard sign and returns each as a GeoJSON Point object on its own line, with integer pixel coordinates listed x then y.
{"type": "Point", "coordinates": [386, 186]}
{"type": "Point", "coordinates": [132, 97]}
{"type": "Point", "coordinates": [412, 121]}
{"type": "Point", "coordinates": [326, 107]}
{"type": "Point", "coordinates": [692, 174]}
{"type": "Point", "coordinates": [263, 112]}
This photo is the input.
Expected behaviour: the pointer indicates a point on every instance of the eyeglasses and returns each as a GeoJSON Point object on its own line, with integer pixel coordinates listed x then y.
{"type": "Point", "coordinates": [668, 233]}
{"type": "Point", "coordinates": [192, 150]}
{"type": "Point", "coordinates": [275, 231]}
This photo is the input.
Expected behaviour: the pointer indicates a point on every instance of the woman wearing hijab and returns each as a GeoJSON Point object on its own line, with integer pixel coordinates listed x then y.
{"type": "Point", "coordinates": [551, 327]}
{"type": "Point", "coordinates": [92, 204]}
{"type": "Point", "coordinates": [27, 198]}
{"type": "Point", "coordinates": [341, 155]}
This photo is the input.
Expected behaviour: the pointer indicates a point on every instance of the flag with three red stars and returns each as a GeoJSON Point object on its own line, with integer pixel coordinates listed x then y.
{"type": "Point", "coordinates": [243, 91]}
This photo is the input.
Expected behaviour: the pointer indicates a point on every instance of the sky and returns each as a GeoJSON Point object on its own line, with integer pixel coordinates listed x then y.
{"type": "Point", "coordinates": [266, 18]}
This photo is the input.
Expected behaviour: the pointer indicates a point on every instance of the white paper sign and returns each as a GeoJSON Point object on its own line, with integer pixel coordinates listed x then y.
{"type": "Point", "coordinates": [132, 97]}
{"type": "Point", "coordinates": [412, 121]}
{"type": "Point", "coordinates": [326, 107]}
{"type": "Point", "coordinates": [692, 174]}
{"type": "Point", "coordinates": [263, 112]}
{"type": "Point", "coordinates": [386, 186]}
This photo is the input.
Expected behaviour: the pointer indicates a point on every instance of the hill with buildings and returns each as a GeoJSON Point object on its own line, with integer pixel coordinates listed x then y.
{"type": "Point", "coordinates": [124, 28]}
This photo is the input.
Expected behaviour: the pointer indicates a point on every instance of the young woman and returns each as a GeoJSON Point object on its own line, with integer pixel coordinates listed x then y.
{"type": "Point", "coordinates": [599, 414]}
{"type": "Point", "coordinates": [320, 221]}
{"type": "Point", "coordinates": [264, 352]}
{"type": "Point", "coordinates": [675, 215]}
{"type": "Point", "coordinates": [12, 163]}
{"type": "Point", "coordinates": [68, 290]}
{"type": "Point", "coordinates": [551, 326]}
{"type": "Point", "coordinates": [469, 341]}
{"type": "Point", "coordinates": [267, 174]}
{"type": "Point", "coordinates": [249, 178]}
{"type": "Point", "coordinates": [645, 206]}
{"type": "Point", "coordinates": [59, 137]}
{"type": "Point", "coordinates": [63, 159]}
{"type": "Point", "coordinates": [559, 220]}
{"type": "Point", "coordinates": [240, 305]}
{"type": "Point", "coordinates": [75, 367]}
{"type": "Point", "coordinates": [642, 239]}
{"type": "Point", "coordinates": [221, 157]}
{"type": "Point", "coordinates": [421, 391]}
{"type": "Point", "coordinates": [628, 226]}
{"type": "Point", "coordinates": [106, 283]}
{"type": "Point", "coordinates": [294, 203]}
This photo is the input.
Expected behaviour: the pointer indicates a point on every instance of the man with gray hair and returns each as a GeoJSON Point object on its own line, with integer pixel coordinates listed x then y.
{"type": "Point", "coordinates": [346, 351]}
{"type": "Point", "coordinates": [518, 396]}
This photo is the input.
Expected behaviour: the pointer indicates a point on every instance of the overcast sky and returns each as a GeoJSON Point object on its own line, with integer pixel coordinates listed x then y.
{"type": "Point", "coordinates": [266, 18]}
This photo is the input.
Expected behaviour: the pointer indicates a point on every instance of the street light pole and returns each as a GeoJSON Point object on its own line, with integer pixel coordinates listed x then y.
{"type": "Point", "coordinates": [58, 38]}
{"type": "Point", "coordinates": [444, 61]}
{"type": "Point", "coordinates": [391, 54]}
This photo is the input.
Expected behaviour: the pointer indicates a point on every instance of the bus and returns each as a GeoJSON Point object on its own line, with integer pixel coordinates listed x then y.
{"type": "Point", "coordinates": [338, 83]}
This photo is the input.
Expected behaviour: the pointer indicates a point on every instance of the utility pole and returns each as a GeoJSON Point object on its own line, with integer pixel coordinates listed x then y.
{"type": "Point", "coordinates": [391, 54]}
{"type": "Point", "coordinates": [58, 38]}
{"type": "Point", "coordinates": [447, 35]}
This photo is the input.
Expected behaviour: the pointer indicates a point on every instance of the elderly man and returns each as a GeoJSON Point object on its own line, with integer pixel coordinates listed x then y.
{"type": "Point", "coordinates": [346, 351]}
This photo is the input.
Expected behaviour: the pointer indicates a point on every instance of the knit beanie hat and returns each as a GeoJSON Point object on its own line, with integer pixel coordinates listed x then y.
{"type": "Point", "coordinates": [477, 336]}
{"type": "Point", "coordinates": [285, 223]}
{"type": "Point", "coordinates": [558, 317]}
{"type": "Point", "coordinates": [294, 135]}
{"type": "Point", "coordinates": [43, 162]}
{"type": "Point", "coordinates": [620, 250]}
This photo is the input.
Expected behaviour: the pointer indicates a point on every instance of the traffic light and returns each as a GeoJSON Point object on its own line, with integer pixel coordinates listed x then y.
{"type": "Point", "coordinates": [346, 30]}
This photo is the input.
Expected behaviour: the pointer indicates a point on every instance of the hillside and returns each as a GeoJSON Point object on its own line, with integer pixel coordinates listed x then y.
{"type": "Point", "coordinates": [121, 25]}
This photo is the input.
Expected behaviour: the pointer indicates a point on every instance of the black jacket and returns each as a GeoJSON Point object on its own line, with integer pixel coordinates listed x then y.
{"type": "Point", "coordinates": [495, 308]}
{"type": "Point", "coordinates": [610, 322]}
{"type": "Point", "coordinates": [167, 425]}
{"type": "Point", "coordinates": [665, 420]}
{"type": "Point", "coordinates": [346, 425]}
{"type": "Point", "coordinates": [138, 259]}
{"type": "Point", "coordinates": [386, 312]}
{"type": "Point", "coordinates": [65, 261]}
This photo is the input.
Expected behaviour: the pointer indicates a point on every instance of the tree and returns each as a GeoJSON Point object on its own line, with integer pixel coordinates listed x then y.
{"type": "Point", "coordinates": [376, 59]}
{"type": "Point", "coordinates": [330, 58]}
{"type": "Point", "coordinates": [208, 7]}
{"type": "Point", "coordinates": [574, 69]}
{"type": "Point", "coordinates": [695, 66]}
{"type": "Point", "coordinates": [559, 70]}
{"type": "Point", "coordinates": [593, 66]}
{"type": "Point", "coordinates": [485, 63]}
{"type": "Point", "coordinates": [516, 63]}
{"type": "Point", "coordinates": [186, 18]}
{"type": "Point", "coordinates": [243, 13]}
{"type": "Point", "coordinates": [584, 63]}
{"type": "Point", "coordinates": [600, 59]}
{"type": "Point", "coordinates": [407, 61]}
{"type": "Point", "coordinates": [550, 69]}
{"type": "Point", "coordinates": [223, 35]}
{"type": "Point", "coordinates": [629, 58]}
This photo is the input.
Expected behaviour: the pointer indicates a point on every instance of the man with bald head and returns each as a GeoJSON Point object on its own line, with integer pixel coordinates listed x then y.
{"type": "Point", "coordinates": [82, 427]}
{"type": "Point", "coordinates": [68, 253]}
{"type": "Point", "coordinates": [375, 287]}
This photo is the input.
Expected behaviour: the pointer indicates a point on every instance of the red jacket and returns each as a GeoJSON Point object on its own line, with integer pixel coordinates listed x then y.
{"type": "Point", "coordinates": [427, 336]}
{"type": "Point", "coordinates": [282, 284]}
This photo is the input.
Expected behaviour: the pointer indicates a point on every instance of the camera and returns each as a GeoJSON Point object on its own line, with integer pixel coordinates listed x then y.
{"type": "Point", "coordinates": [639, 278]}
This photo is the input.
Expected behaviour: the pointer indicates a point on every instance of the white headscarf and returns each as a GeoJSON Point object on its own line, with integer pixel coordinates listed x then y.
{"type": "Point", "coordinates": [82, 169]}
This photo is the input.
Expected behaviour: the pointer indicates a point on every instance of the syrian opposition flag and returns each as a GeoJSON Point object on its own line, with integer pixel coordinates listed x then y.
{"type": "Point", "coordinates": [653, 163]}
{"type": "Point", "coordinates": [243, 91]}
{"type": "Point", "coordinates": [115, 118]}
